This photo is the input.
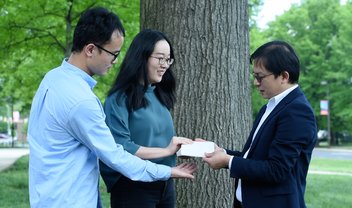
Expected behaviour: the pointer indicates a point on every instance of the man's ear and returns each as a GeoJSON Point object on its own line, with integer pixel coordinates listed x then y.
{"type": "Point", "coordinates": [88, 49]}
{"type": "Point", "coordinates": [285, 76]}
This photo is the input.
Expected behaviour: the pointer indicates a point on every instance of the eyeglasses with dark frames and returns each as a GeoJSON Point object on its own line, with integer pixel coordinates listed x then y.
{"type": "Point", "coordinates": [163, 60]}
{"type": "Point", "coordinates": [260, 78]}
{"type": "Point", "coordinates": [109, 52]}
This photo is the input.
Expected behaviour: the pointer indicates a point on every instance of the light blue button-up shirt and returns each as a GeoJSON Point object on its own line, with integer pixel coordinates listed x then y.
{"type": "Point", "coordinates": [67, 134]}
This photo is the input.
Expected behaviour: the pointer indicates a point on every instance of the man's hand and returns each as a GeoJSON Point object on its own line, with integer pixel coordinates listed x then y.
{"type": "Point", "coordinates": [184, 170]}
{"type": "Point", "coordinates": [218, 159]}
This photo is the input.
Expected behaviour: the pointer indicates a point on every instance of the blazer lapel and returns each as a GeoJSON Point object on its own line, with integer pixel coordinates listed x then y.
{"type": "Point", "coordinates": [291, 96]}
{"type": "Point", "coordinates": [255, 124]}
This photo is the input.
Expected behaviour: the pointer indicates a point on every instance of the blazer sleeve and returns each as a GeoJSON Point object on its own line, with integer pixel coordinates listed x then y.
{"type": "Point", "coordinates": [233, 153]}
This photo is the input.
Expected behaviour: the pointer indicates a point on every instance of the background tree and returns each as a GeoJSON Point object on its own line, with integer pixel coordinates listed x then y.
{"type": "Point", "coordinates": [320, 31]}
{"type": "Point", "coordinates": [257, 38]}
{"type": "Point", "coordinates": [36, 35]}
{"type": "Point", "coordinates": [210, 40]}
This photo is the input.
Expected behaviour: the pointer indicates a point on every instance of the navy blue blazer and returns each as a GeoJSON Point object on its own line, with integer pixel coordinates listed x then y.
{"type": "Point", "coordinates": [274, 173]}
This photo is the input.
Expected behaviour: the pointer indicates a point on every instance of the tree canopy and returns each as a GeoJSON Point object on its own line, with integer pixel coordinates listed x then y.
{"type": "Point", "coordinates": [320, 32]}
{"type": "Point", "coordinates": [37, 35]}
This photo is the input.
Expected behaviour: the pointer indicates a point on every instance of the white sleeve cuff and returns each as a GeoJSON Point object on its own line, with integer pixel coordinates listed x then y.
{"type": "Point", "coordinates": [230, 162]}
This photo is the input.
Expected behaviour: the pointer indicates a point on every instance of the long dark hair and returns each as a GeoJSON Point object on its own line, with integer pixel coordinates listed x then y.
{"type": "Point", "coordinates": [134, 69]}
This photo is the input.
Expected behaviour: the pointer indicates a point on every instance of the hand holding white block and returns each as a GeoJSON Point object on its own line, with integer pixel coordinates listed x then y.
{"type": "Point", "coordinates": [196, 149]}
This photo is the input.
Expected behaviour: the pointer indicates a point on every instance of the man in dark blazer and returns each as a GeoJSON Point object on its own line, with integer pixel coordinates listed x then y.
{"type": "Point", "coordinates": [271, 169]}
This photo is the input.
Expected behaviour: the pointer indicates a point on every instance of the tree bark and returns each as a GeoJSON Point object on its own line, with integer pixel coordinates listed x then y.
{"type": "Point", "coordinates": [211, 44]}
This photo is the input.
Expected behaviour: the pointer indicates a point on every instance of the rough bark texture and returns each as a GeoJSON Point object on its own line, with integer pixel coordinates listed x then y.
{"type": "Point", "coordinates": [211, 44]}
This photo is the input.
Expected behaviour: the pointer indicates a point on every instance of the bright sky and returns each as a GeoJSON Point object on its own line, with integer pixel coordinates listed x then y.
{"type": "Point", "coordinates": [273, 8]}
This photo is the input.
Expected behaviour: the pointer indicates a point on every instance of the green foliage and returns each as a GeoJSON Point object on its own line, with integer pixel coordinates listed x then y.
{"type": "Point", "coordinates": [254, 8]}
{"type": "Point", "coordinates": [320, 32]}
{"type": "Point", "coordinates": [36, 36]}
{"type": "Point", "coordinates": [3, 127]}
{"type": "Point", "coordinates": [128, 11]}
{"type": "Point", "coordinates": [257, 38]}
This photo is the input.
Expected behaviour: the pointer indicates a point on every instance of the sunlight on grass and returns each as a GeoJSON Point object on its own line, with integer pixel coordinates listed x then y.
{"type": "Point", "coordinates": [328, 191]}
{"type": "Point", "coordinates": [344, 166]}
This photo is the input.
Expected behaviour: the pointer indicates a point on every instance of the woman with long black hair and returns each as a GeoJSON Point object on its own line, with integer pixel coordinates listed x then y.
{"type": "Point", "coordinates": [138, 113]}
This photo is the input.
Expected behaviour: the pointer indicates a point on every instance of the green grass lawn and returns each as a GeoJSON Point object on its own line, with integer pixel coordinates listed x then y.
{"type": "Point", "coordinates": [328, 191]}
{"type": "Point", "coordinates": [341, 166]}
{"type": "Point", "coordinates": [323, 191]}
{"type": "Point", "coordinates": [14, 186]}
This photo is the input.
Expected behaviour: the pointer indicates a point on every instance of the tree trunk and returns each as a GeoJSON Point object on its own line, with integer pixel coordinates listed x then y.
{"type": "Point", "coordinates": [210, 40]}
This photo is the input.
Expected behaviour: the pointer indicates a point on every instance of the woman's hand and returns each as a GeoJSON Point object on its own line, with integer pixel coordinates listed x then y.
{"type": "Point", "coordinates": [176, 143]}
{"type": "Point", "coordinates": [216, 147]}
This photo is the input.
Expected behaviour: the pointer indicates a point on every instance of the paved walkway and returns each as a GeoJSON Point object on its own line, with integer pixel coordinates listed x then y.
{"type": "Point", "coordinates": [328, 173]}
{"type": "Point", "coordinates": [8, 156]}
{"type": "Point", "coordinates": [332, 153]}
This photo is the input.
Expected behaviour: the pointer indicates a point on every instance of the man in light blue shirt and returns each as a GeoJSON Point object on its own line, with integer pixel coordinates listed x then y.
{"type": "Point", "coordinates": [67, 131]}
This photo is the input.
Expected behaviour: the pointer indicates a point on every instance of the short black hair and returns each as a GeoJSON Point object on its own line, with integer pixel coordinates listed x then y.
{"type": "Point", "coordinates": [278, 56]}
{"type": "Point", "coordinates": [95, 25]}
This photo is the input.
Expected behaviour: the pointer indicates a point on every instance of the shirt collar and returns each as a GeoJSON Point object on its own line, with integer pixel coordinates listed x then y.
{"type": "Point", "coordinates": [86, 77]}
{"type": "Point", "coordinates": [276, 99]}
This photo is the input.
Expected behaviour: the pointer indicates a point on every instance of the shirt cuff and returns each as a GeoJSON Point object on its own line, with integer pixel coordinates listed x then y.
{"type": "Point", "coordinates": [230, 162]}
{"type": "Point", "coordinates": [164, 172]}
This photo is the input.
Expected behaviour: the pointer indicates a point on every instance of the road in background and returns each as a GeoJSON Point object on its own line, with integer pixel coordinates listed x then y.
{"type": "Point", "coordinates": [329, 153]}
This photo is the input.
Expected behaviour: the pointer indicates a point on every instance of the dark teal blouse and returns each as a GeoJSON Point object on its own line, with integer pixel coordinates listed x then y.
{"type": "Point", "coordinates": [151, 126]}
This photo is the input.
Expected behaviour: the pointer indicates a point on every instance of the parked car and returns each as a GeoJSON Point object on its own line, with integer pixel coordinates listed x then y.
{"type": "Point", "coordinates": [343, 136]}
{"type": "Point", "coordinates": [323, 135]}
{"type": "Point", "coordinates": [5, 139]}
{"type": "Point", "coordinates": [4, 136]}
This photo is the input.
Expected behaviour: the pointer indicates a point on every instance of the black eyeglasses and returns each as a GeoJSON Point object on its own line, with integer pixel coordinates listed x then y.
{"type": "Point", "coordinates": [163, 60]}
{"type": "Point", "coordinates": [260, 78]}
{"type": "Point", "coordinates": [109, 52]}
